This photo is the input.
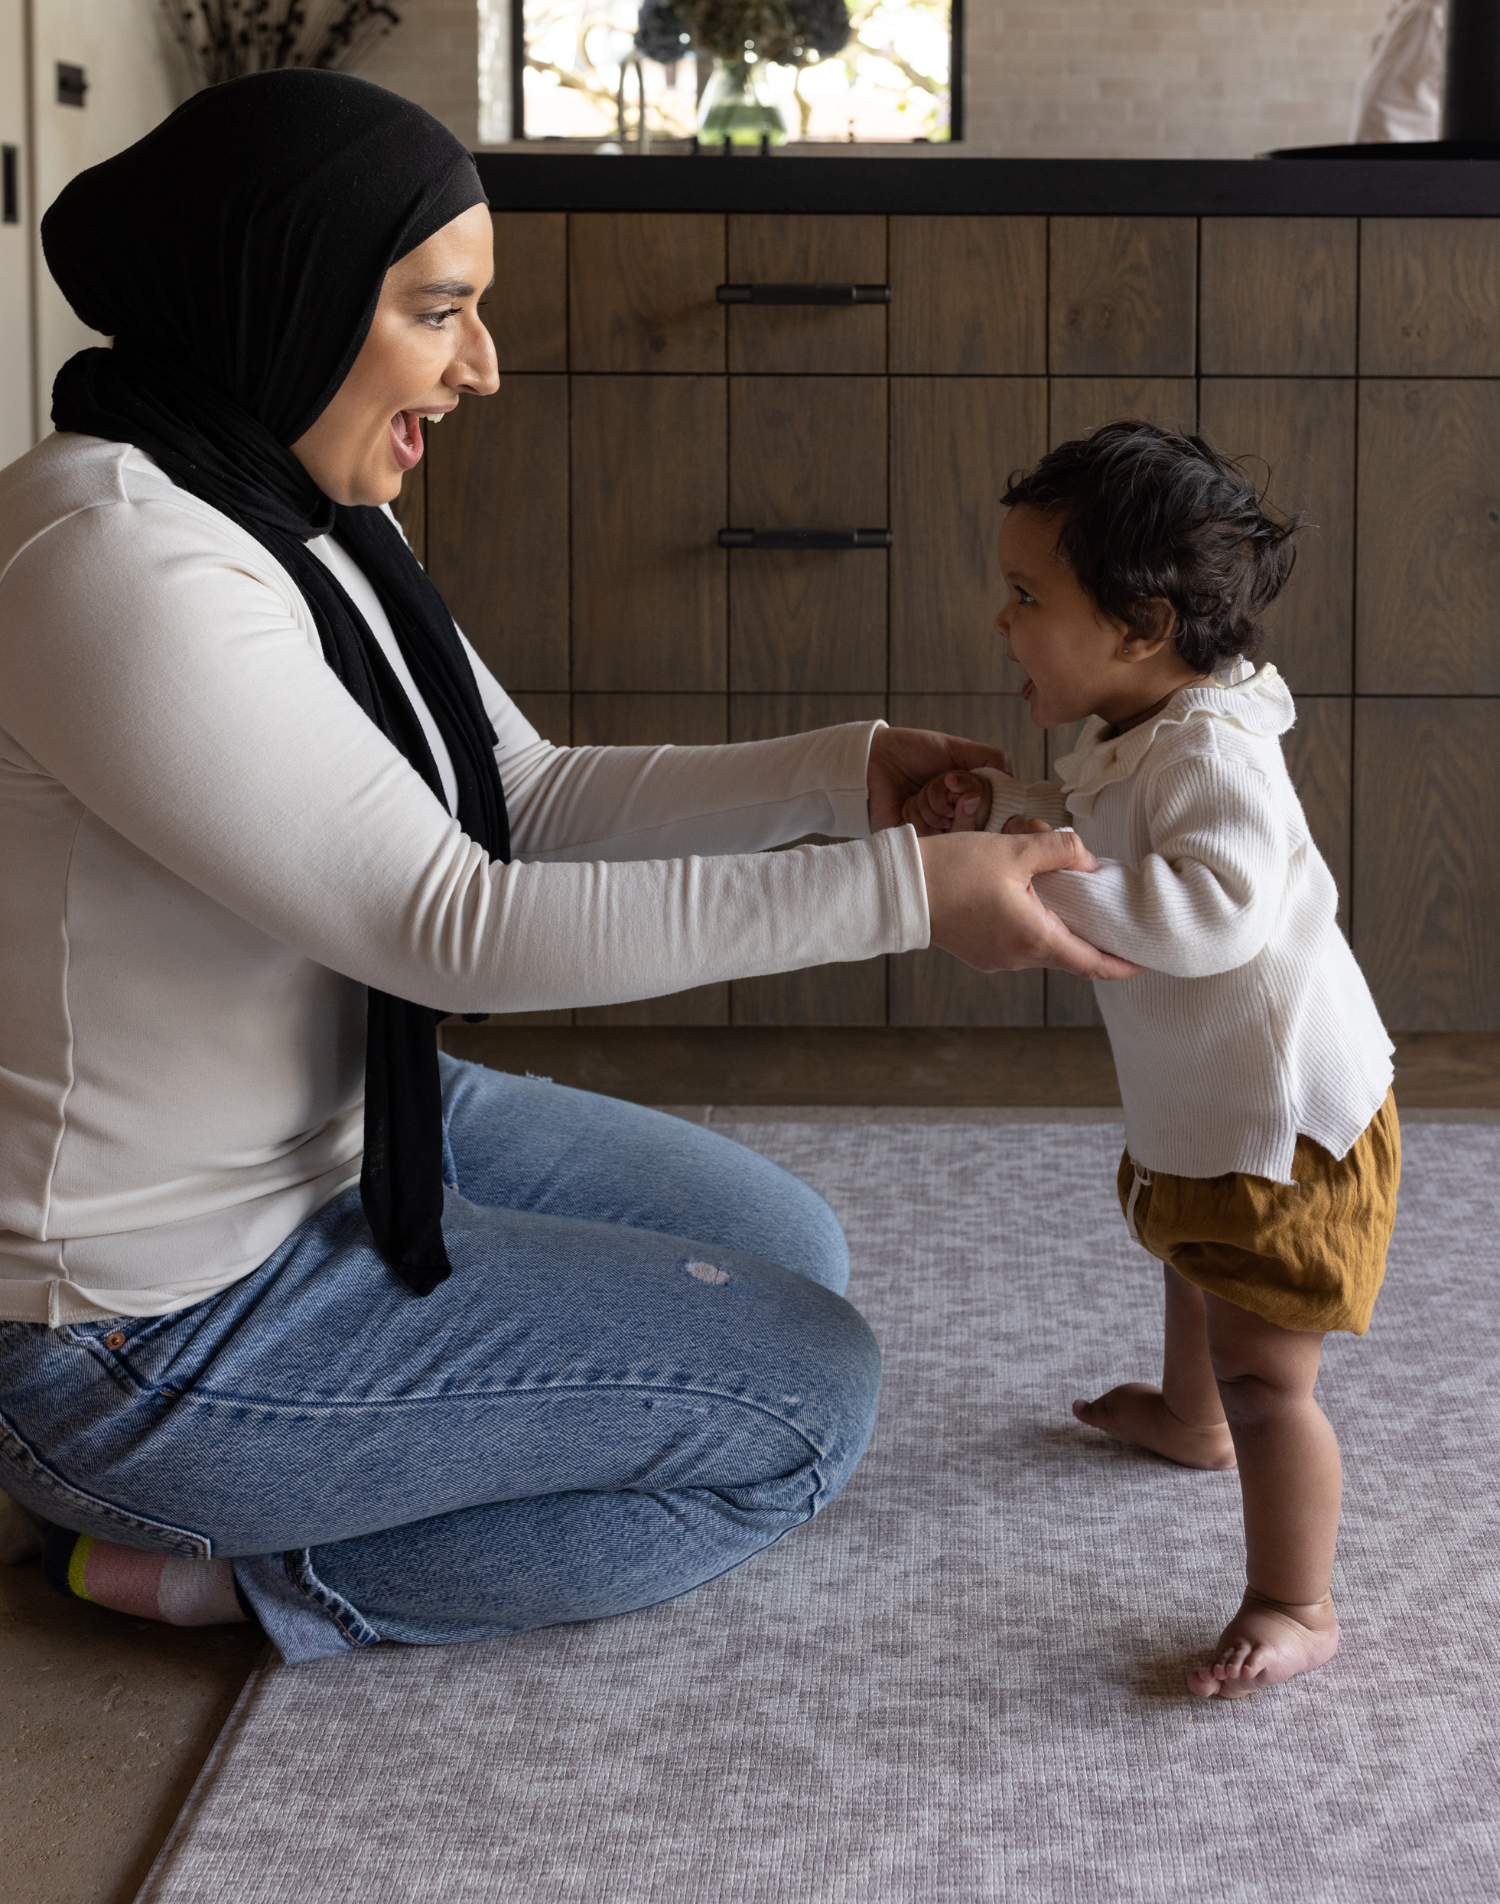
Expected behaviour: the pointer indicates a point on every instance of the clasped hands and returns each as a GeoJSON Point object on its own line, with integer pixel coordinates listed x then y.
{"type": "Point", "coordinates": [979, 893]}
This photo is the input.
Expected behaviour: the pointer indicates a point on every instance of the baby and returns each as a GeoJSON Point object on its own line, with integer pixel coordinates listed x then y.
{"type": "Point", "coordinates": [1262, 1147]}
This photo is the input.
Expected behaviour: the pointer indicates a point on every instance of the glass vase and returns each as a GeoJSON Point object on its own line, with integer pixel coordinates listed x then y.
{"type": "Point", "coordinates": [737, 106]}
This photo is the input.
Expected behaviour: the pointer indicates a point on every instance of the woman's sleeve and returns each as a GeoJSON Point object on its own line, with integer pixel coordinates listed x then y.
{"type": "Point", "coordinates": [1206, 896]}
{"type": "Point", "coordinates": [624, 803]}
{"type": "Point", "coordinates": [200, 722]}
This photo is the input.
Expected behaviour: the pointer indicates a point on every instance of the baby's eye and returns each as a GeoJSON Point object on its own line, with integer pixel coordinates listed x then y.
{"type": "Point", "coordinates": [1023, 599]}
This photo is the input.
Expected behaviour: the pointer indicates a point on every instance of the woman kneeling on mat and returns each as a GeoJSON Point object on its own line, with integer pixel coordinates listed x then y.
{"type": "Point", "coordinates": [300, 1321]}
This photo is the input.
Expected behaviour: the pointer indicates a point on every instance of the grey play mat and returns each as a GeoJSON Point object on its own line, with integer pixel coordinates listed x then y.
{"type": "Point", "coordinates": [964, 1682]}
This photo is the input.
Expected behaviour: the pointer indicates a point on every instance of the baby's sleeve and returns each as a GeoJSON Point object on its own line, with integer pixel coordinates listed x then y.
{"type": "Point", "coordinates": [1012, 799]}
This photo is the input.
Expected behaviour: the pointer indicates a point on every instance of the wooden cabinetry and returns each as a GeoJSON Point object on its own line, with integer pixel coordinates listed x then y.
{"type": "Point", "coordinates": [573, 522]}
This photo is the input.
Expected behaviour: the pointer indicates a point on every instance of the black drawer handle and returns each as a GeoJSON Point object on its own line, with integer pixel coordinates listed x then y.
{"type": "Point", "coordinates": [804, 538]}
{"type": "Point", "coordinates": [804, 294]}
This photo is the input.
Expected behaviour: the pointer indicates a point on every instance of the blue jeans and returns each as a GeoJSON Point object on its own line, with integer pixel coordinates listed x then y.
{"type": "Point", "coordinates": [640, 1373]}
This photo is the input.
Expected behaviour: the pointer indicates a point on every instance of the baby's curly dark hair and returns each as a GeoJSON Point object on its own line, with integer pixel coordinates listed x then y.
{"type": "Point", "coordinates": [1152, 514]}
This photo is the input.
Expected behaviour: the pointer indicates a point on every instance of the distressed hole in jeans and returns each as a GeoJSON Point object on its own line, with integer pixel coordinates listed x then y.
{"type": "Point", "coordinates": [709, 1273]}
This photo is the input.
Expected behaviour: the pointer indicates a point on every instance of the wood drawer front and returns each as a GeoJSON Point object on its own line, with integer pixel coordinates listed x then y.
{"type": "Point", "coordinates": [642, 291]}
{"type": "Point", "coordinates": [1427, 860]}
{"type": "Point", "coordinates": [1279, 296]}
{"type": "Point", "coordinates": [954, 442]}
{"type": "Point", "coordinates": [526, 308]}
{"type": "Point", "coordinates": [649, 460]}
{"type": "Point", "coordinates": [497, 543]}
{"type": "Point", "coordinates": [968, 296]}
{"type": "Point", "coordinates": [1123, 297]}
{"type": "Point", "coordinates": [808, 452]}
{"type": "Point", "coordinates": [805, 249]}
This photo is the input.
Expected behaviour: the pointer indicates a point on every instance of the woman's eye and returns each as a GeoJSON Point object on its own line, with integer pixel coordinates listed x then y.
{"type": "Point", "coordinates": [437, 319]}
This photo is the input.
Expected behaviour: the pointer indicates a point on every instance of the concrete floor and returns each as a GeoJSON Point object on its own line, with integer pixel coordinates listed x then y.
{"type": "Point", "coordinates": [105, 1721]}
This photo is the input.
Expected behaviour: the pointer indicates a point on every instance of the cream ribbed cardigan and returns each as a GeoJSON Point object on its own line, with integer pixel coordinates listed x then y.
{"type": "Point", "coordinates": [1253, 1023]}
{"type": "Point", "coordinates": [207, 852]}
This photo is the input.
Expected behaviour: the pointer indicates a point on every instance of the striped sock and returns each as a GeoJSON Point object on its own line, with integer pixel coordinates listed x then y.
{"type": "Point", "coordinates": [151, 1586]}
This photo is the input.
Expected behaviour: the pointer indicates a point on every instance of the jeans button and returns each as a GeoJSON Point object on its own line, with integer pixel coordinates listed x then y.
{"type": "Point", "coordinates": [115, 1339]}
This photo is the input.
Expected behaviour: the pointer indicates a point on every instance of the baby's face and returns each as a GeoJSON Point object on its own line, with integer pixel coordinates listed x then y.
{"type": "Point", "coordinates": [1069, 650]}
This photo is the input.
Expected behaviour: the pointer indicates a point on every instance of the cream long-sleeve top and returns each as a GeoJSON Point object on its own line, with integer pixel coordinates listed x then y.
{"type": "Point", "coordinates": [1253, 1024]}
{"type": "Point", "coordinates": [207, 852]}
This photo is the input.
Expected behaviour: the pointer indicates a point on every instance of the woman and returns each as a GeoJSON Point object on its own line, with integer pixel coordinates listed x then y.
{"type": "Point", "coordinates": [427, 1353]}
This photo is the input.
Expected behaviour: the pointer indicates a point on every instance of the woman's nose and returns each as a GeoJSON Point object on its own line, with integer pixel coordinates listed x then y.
{"type": "Point", "coordinates": [476, 368]}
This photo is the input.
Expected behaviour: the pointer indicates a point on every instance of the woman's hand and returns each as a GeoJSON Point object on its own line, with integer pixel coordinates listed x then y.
{"type": "Point", "coordinates": [904, 759]}
{"type": "Point", "coordinates": [984, 911]}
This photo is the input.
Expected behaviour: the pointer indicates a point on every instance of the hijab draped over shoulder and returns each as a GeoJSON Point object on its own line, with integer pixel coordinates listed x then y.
{"type": "Point", "coordinates": [235, 255]}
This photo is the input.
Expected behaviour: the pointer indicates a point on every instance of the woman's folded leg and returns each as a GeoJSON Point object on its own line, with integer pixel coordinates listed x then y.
{"type": "Point", "coordinates": [529, 1144]}
{"type": "Point", "coordinates": [585, 1418]}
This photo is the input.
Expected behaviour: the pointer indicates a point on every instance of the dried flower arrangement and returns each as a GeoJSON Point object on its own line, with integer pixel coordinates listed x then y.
{"type": "Point", "coordinates": [226, 39]}
{"type": "Point", "coordinates": [785, 32]}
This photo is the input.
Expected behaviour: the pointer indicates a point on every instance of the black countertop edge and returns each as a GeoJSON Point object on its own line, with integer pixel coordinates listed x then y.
{"type": "Point", "coordinates": [1330, 188]}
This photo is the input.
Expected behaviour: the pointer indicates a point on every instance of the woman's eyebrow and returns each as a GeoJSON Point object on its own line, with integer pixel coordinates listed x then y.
{"type": "Point", "coordinates": [444, 287]}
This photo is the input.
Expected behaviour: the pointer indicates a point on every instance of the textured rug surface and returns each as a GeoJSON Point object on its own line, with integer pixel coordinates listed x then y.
{"type": "Point", "coordinates": [964, 1681]}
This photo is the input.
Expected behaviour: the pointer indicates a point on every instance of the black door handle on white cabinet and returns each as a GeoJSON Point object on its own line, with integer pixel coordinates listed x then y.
{"type": "Point", "coordinates": [804, 538]}
{"type": "Point", "coordinates": [804, 294]}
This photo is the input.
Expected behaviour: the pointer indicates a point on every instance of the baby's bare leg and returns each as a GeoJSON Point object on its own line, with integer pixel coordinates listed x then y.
{"type": "Point", "coordinates": [1184, 1418]}
{"type": "Point", "coordinates": [1292, 1484]}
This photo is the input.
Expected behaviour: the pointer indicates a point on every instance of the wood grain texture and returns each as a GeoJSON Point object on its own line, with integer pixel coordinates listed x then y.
{"type": "Point", "coordinates": [851, 994]}
{"type": "Point", "coordinates": [1077, 405]}
{"type": "Point", "coordinates": [650, 596]}
{"type": "Point", "coordinates": [968, 296]}
{"type": "Point", "coordinates": [1426, 887]}
{"type": "Point", "coordinates": [641, 291]}
{"type": "Point", "coordinates": [1319, 757]}
{"type": "Point", "coordinates": [1123, 293]}
{"type": "Point", "coordinates": [954, 443]}
{"type": "Point", "coordinates": [768, 716]}
{"type": "Point", "coordinates": [1278, 297]}
{"type": "Point", "coordinates": [808, 452]}
{"type": "Point", "coordinates": [1303, 430]}
{"type": "Point", "coordinates": [652, 720]}
{"type": "Point", "coordinates": [411, 505]}
{"type": "Point", "coordinates": [930, 1065]}
{"type": "Point", "coordinates": [1428, 562]}
{"type": "Point", "coordinates": [527, 306]}
{"type": "Point", "coordinates": [932, 987]}
{"type": "Point", "coordinates": [802, 248]}
{"type": "Point", "coordinates": [497, 529]}
{"type": "Point", "coordinates": [550, 714]}
{"type": "Point", "coordinates": [1430, 297]}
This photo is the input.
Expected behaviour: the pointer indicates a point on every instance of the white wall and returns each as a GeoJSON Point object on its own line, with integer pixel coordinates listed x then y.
{"type": "Point", "coordinates": [1165, 79]}
{"type": "Point", "coordinates": [16, 421]}
{"type": "Point", "coordinates": [134, 82]}
{"type": "Point", "coordinates": [433, 58]}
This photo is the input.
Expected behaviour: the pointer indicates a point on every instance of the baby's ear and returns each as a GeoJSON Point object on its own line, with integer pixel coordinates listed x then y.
{"type": "Point", "coordinates": [1155, 625]}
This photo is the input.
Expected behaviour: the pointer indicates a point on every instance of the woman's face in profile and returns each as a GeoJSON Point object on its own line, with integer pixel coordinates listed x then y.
{"type": "Point", "coordinates": [427, 344]}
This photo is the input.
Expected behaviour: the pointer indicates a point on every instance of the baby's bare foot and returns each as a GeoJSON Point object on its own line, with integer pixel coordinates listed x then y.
{"type": "Point", "coordinates": [1265, 1643]}
{"type": "Point", "coordinates": [1135, 1412]}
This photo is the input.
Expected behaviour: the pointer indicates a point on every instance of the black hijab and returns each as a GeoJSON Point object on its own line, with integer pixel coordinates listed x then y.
{"type": "Point", "coordinates": [235, 255]}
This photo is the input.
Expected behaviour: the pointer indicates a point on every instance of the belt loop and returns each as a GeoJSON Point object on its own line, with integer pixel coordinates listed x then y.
{"type": "Point", "coordinates": [1141, 1177]}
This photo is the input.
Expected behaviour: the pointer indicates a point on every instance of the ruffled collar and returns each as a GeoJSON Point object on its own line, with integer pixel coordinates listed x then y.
{"type": "Point", "coordinates": [1254, 699]}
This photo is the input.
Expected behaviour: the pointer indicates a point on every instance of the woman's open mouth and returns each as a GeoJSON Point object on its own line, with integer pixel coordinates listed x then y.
{"type": "Point", "coordinates": [1028, 686]}
{"type": "Point", "coordinates": [406, 435]}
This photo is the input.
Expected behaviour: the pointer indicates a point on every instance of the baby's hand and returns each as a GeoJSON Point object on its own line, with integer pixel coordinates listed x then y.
{"type": "Point", "coordinates": [1018, 823]}
{"type": "Point", "coordinates": [950, 803]}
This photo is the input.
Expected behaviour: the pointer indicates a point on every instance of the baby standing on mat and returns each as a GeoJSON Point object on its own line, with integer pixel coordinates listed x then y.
{"type": "Point", "coordinates": [1262, 1146]}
